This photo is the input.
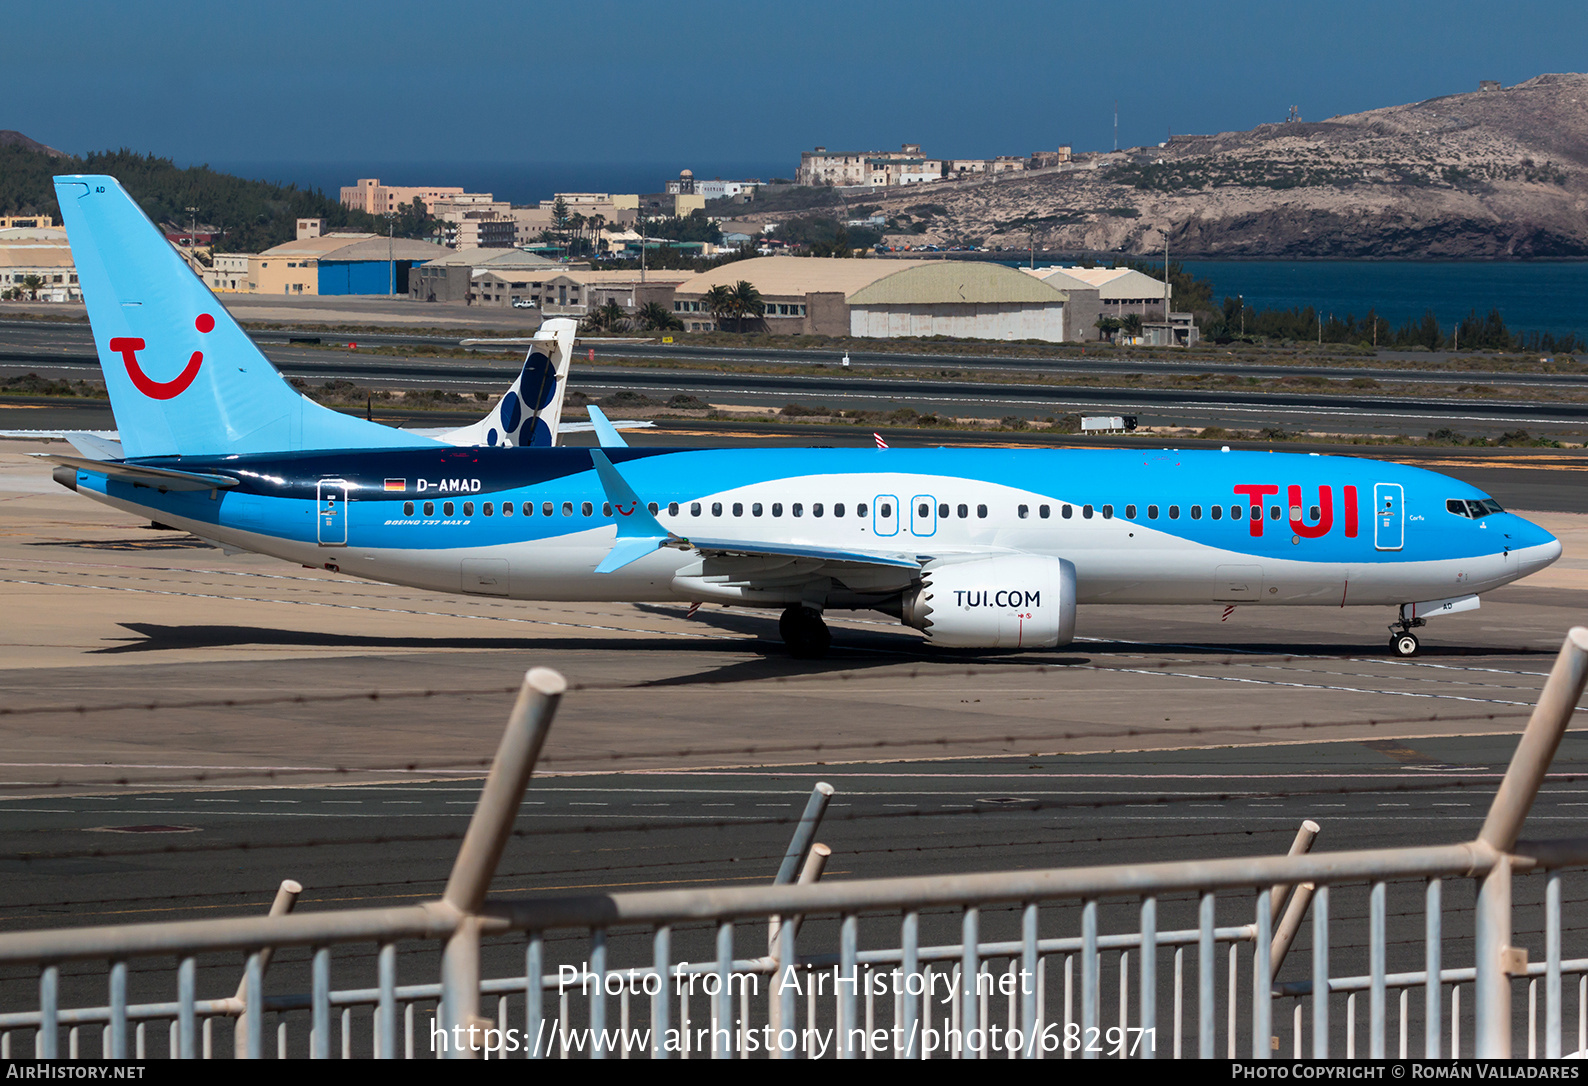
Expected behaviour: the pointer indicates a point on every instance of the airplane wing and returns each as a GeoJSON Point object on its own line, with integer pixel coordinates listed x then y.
{"type": "Point", "coordinates": [640, 533]}
{"type": "Point", "coordinates": [606, 434]}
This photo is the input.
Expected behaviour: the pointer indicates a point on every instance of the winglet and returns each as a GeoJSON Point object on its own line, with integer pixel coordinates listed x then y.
{"type": "Point", "coordinates": [607, 435]}
{"type": "Point", "coordinates": [639, 533]}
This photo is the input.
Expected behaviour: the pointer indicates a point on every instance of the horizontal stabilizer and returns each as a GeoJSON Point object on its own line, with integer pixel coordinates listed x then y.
{"type": "Point", "coordinates": [158, 478]}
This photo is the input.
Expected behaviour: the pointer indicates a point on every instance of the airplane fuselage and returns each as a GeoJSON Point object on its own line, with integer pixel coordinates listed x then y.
{"type": "Point", "coordinates": [1140, 527]}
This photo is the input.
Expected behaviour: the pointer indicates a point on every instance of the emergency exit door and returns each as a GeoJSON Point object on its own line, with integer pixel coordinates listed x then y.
{"type": "Point", "coordinates": [1389, 516]}
{"type": "Point", "coordinates": [332, 513]}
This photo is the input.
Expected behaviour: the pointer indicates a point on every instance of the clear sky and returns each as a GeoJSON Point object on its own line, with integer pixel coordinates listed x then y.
{"type": "Point", "coordinates": [609, 81]}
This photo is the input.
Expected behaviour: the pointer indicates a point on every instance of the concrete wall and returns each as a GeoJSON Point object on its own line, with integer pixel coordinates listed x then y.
{"type": "Point", "coordinates": [826, 314]}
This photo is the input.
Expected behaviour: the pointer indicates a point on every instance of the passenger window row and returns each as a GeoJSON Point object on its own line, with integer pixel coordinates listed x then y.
{"type": "Point", "coordinates": [1458, 506]}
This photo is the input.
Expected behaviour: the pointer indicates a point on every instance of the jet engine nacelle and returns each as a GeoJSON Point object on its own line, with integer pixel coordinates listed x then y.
{"type": "Point", "coordinates": [1014, 602]}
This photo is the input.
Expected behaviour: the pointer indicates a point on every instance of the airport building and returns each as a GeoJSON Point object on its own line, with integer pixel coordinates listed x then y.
{"type": "Point", "coordinates": [338, 263]}
{"type": "Point", "coordinates": [576, 293]}
{"type": "Point", "coordinates": [873, 298]}
{"type": "Point", "coordinates": [1124, 292]}
{"type": "Point", "coordinates": [482, 276]}
{"type": "Point", "coordinates": [41, 257]}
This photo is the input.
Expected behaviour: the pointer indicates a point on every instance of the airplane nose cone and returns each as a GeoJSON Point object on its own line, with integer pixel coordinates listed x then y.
{"type": "Point", "coordinates": [1533, 547]}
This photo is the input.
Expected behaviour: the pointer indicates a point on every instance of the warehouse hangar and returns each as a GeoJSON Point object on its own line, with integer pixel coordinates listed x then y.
{"type": "Point", "coordinates": [872, 298]}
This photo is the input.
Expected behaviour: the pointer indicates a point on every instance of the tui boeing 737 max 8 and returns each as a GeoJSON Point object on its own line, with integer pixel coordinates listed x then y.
{"type": "Point", "coordinates": [975, 547]}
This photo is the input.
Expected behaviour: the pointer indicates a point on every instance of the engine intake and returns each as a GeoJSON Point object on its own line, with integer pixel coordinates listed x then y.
{"type": "Point", "coordinates": [1012, 602]}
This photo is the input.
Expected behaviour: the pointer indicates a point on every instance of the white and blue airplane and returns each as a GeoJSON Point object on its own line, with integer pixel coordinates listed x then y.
{"type": "Point", "coordinates": [979, 548]}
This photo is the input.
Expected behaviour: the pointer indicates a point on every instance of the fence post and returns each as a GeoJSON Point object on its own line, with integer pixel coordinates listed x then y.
{"type": "Point", "coordinates": [286, 897]}
{"type": "Point", "coordinates": [1512, 800]}
{"type": "Point", "coordinates": [482, 848]}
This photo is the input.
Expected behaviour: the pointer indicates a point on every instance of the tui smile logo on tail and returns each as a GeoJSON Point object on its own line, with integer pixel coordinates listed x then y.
{"type": "Point", "coordinates": [128, 348]}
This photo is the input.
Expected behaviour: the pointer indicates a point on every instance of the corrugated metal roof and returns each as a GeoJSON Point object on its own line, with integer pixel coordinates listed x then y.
{"type": "Point", "coordinates": [797, 276]}
{"type": "Point", "coordinates": [356, 247]}
{"type": "Point", "coordinates": [952, 282]}
{"type": "Point", "coordinates": [1110, 283]}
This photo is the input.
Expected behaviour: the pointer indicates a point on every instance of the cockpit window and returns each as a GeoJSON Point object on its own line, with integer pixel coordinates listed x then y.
{"type": "Point", "coordinates": [1473, 508]}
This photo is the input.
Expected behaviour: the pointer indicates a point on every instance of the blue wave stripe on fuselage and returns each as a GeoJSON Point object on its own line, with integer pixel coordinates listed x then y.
{"type": "Point", "coordinates": [278, 494]}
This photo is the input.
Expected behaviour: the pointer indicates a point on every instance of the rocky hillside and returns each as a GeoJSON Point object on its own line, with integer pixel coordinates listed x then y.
{"type": "Point", "coordinates": [1491, 174]}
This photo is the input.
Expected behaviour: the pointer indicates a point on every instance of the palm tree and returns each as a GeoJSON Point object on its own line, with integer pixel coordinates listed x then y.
{"type": "Point", "coordinates": [31, 284]}
{"type": "Point", "coordinates": [610, 316]}
{"type": "Point", "coordinates": [654, 317]}
{"type": "Point", "coordinates": [747, 303]}
{"type": "Point", "coordinates": [1131, 325]}
{"type": "Point", "coordinates": [720, 303]}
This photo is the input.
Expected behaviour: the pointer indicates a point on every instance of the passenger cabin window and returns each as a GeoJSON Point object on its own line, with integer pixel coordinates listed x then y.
{"type": "Point", "coordinates": [942, 510]}
{"type": "Point", "coordinates": [1152, 512]}
{"type": "Point", "coordinates": [1043, 511]}
{"type": "Point", "coordinates": [964, 512]}
{"type": "Point", "coordinates": [672, 509]}
{"type": "Point", "coordinates": [694, 509]}
{"type": "Point", "coordinates": [885, 510]}
{"type": "Point", "coordinates": [777, 509]}
{"type": "Point", "coordinates": [446, 509]}
{"type": "Point", "coordinates": [488, 509]}
{"type": "Point", "coordinates": [430, 509]}
{"type": "Point", "coordinates": [755, 509]}
{"type": "Point", "coordinates": [468, 509]}
{"type": "Point", "coordinates": [738, 509]}
{"type": "Point", "coordinates": [1066, 511]}
{"type": "Point", "coordinates": [1108, 512]}
{"type": "Point", "coordinates": [1130, 512]}
{"type": "Point", "coordinates": [797, 509]}
{"type": "Point", "coordinates": [860, 510]}
{"type": "Point", "coordinates": [925, 510]}
{"type": "Point", "coordinates": [1273, 512]}
{"type": "Point", "coordinates": [1023, 511]}
{"type": "Point", "coordinates": [816, 509]}
{"type": "Point", "coordinates": [507, 509]}
{"type": "Point", "coordinates": [1315, 513]}
{"type": "Point", "coordinates": [1086, 512]}
{"type": "Point", "coordinates": [606, 509]}
{"type": "Point", "coordinates": [1196, 512]}
{"type": "Point", "coordinates": [716, 509]}
{"type": "Point", "coordinates": [1235, 512]}
{"type": "Point", "coordinates": [654, 508]}
{"type": "Point", "coordinates": [981, 511]}
{"type": "Point", "coordinates": [1174, 512]}
{"type": "Point", "coordinates": [567, 509]}
{"type": "Point", "coordinates": [838, 510]}
{"type": "Point", "coordinates": [408, 509]}
{"type": "Point", "coordinates": [586, 508]}
{"type": "Point", "coordinates": [1215, 511]}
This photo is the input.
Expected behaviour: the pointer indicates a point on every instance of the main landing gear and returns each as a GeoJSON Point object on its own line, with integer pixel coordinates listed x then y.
{"type": "Point", "coordinates": [1403, 642]}
{"type": "Point", "coordinates": [804, 632]}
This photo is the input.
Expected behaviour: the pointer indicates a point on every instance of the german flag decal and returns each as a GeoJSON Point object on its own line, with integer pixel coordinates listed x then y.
{"type": "Point", "coordinates": [398, 485]}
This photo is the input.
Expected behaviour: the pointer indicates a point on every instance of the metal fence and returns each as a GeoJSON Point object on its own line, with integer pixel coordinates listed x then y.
{"type": "Point", "coordinates": [1124, 960]}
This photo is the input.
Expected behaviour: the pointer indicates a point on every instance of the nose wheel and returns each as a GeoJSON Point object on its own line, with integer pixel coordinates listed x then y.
{"type": "Point", "coordinates": [804, 632]}
{"type": "Point", "coordinates": [1404, 644]}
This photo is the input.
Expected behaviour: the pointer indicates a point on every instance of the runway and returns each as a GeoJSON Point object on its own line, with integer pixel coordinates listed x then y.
{"type": "Point", "coordinates": [181, 729]}
{"type": "Point", "coordinates": [979, 387]}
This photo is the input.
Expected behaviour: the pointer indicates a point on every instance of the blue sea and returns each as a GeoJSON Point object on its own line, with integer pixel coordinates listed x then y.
{"type": "Point", "coordinates": [1539, 296]}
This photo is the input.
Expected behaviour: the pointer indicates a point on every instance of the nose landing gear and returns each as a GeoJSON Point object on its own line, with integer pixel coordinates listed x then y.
{"type": "Point", "coordinates": [1403, 642]}
{"type": "Point", "coordinates": [804, 632]}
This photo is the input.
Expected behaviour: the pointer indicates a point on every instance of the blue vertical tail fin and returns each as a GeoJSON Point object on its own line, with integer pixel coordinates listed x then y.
{"type": "Point", "coordinates": [184, 378]}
